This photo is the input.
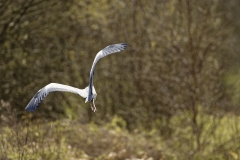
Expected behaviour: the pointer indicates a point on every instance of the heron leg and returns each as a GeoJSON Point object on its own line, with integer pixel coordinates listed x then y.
{"type": "Point", "coordinates": [94, 109]}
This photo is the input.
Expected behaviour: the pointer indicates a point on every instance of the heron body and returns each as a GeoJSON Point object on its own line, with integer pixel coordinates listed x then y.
{"type": "Point", "coordinates": [89, 92]}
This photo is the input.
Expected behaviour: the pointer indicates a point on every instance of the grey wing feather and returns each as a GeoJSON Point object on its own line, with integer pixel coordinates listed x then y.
{"type": "Point", "coordinates": [42, 93]}
{"type": "Point", "coordinates": [36, 100]}
{"type": "Point", "coordinates": [104, 52]}
{"type": "Point", "coordinates": [108, 50]}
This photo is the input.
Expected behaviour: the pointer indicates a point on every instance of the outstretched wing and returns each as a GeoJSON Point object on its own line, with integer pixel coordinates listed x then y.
{"type": "Point", "coordinates": [104, 52]}
{"type": "Point", "coordinates": [42, 93]}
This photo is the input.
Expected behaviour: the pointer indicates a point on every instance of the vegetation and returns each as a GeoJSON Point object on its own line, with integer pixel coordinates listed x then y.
{"type": "Point", "coordinates": [173, 94]}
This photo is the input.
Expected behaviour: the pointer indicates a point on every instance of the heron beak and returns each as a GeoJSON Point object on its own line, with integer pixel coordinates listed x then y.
{"type": "Point", "coordinates": [92, 104]}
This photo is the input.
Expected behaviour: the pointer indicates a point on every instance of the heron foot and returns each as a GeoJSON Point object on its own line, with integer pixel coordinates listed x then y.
{"type": "Point", "coordinates": [92, 104]}
{"type": "Point", "coordinates": [94, 109]}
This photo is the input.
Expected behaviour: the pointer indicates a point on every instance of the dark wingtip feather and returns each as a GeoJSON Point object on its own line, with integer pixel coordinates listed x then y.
{"type": "Point", "coordinates": [30, 109]}
{"type": "Point", "coordinates": [124, 45]}
{"type": "Point", "coordinates": [32, 106]}
{"type": "Point", "coordinates": [34, 103]}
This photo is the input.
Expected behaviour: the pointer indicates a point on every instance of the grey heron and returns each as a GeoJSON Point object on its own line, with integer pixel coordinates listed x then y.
{"type": "Point", "coordinates": [89, 92]}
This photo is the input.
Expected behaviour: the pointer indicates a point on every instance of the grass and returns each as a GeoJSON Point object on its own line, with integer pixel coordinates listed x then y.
{"type": "Point", "coordinates": [22, 138]}
{"type": "Point", "coordinates": [70, 140]}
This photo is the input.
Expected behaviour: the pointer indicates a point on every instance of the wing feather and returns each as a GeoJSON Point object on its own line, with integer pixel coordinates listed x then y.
{"type": "Point", "coordinates": [108, 50]}
{"type": "Point", "coordinates": [85, 93]}
{"type": "Point", "coordinates": [42, 93]}
{"type": "Point", "coordinates": [104, 52]}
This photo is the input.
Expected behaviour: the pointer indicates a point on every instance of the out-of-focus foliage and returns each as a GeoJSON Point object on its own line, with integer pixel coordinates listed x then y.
{"type": "Point", "coordinates": [177, 80]}
{"type": "Point", "coordinates": [64, 139]}
{"type": "Point", "coordinates": [173, 62]}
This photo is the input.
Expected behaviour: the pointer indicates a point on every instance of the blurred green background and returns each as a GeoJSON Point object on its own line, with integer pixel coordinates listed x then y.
{"type": "Point", "coordinates": [172, 94]}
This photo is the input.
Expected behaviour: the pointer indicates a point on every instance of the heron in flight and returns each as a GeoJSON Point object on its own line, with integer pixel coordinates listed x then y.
{"type": "Point", "coordinates": [89, 92]}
